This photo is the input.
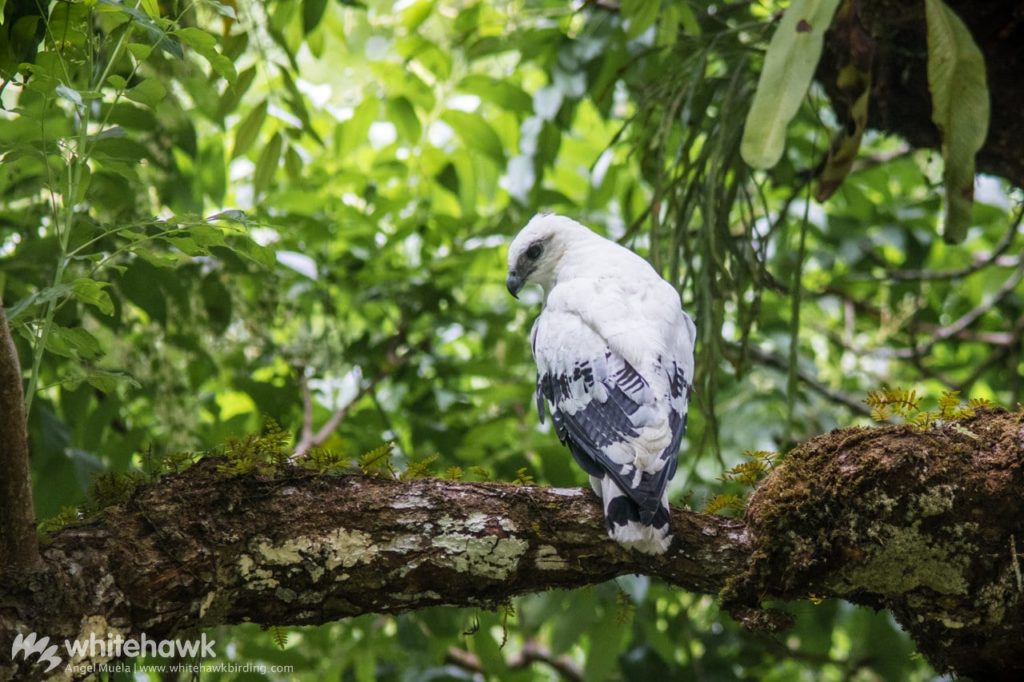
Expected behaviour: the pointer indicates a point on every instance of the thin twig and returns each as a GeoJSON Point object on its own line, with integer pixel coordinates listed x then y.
{"type": "Point", "coordinates": [922, 275]}
{"type": "Point", "coordinates": [772, 360]}
{"type": "Point", "coordinates": [532, 652]}
{"type": "Point", "coordinates": [309, 439]}
{"type": "Point", "coordinates": [307, 408]}
{"type": "Point", "coordinates": [968, 318]}
{"type": "Point", "coordinates": [1016, 563]}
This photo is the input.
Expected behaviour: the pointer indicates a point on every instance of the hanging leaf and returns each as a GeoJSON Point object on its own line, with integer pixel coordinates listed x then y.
{"type": "Point", "coordinates": [639, 15]}
{"type": "Point", "coordinates": [108, 380]}
{"type": "Point", "coordinates": [789, 65]}
{"type": "Point", "coordinates": [148, 92]}
{"type": "Point", "coordinates": [206, 44]}
{"type": "Point", "coordinates": [476, 133]}
{"type": "Point", "coordinates": [73, 343]}
{"type": "Point", "coordinates": [312, 13]}
{"type": "Point", "coordinates": [853, 82]}
{"type": "Point", "coordinates": [505, 94]}
{"type": "Point", "coordinates": [248, 129]}
{"type": "Point", "coordinates": [267, 165]}
{"type": "Point", "coordinates": [403, 115]}
{"type": "Point", "coordinates": [960, 109]}
{"type": "Point", "coordinates": [91, 292]}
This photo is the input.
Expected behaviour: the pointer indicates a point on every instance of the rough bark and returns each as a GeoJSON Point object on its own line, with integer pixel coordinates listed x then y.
{"type": "Point", "coordinates": [900, 102]}
{"type": "Point", "coordinates": [19, 550]}
{"type": "Point", "coordinates": [917, 522]}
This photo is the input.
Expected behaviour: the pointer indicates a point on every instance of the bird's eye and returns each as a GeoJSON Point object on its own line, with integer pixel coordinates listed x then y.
{"type": "Point", "coordinates": [533, 253]}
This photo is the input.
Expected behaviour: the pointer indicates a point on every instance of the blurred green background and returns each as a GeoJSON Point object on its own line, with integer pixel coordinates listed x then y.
{"type": "Point", "coordinates": [205, 206]}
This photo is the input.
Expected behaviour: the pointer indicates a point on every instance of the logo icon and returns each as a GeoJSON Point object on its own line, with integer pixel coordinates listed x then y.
{"type": "Point", "coordinates": [26, 645]}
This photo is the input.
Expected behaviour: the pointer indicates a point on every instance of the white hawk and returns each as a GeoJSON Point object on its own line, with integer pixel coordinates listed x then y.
{"type": "Point", "coordinates": [614, 353]}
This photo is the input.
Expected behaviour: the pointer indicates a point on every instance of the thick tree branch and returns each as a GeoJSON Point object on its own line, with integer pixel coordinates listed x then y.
{"type": "Point", "coordinates": [19, 548]}
{"type": "Point", "coordinates": [916, 522]}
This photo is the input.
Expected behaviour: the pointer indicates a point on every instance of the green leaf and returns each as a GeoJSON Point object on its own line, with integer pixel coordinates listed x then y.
{"type": "Point", "coordinates": [152, 8]}
{"type": "Point", "coordinates": [960, 109]}
{"type": "Point", "coordinates": [639, 15]}
{"type": "Point", "coordinates": [107, 380]}
{"type": "Point", "coordinates": [475, 133]}
{"type": "Point", "coordinates": [91, 292]}
{"type": "Point", "coordinates": [157, 35]}
{"type": "Point", "coordinates": [38, 298]}
{"type": "Point", "coordinates": [266, 165]}
{"type": "Point", "coordinates": [605, 644]}
{"type": "Point", "coordinates": [207, 235]}
{"type": "Point", "coordinates": [402, 114]}
{"type": "Point", "coordinates": [248, 129]}
{"type": "Point", "coordinates": [196, 38]}
{"type": "Point", "coordinates": [217, 302]}
{"type": "Point", "coordinates": [222, 9]}
{"type": "Point", "coordinates": [416, 13]}
{"type": "Point", "coordinates": [297, 103]}
{"type": "Point", "coordinates": [506, 95]}
{"type": "Point", "coordinates": [233, 93]}
{"type": "Point", "coordinates": [148, 92]}
{"type": "Point", "coordinates": [206, 45]}
{"type": "Point", "coordinates": [73, 343]}
{"type": "Point", "coordinates": [70, 94]}
{"type": "Point", "coordinates": [232, 215]}
{"type": "Point", "coordinates": [312, 13]}
{"type": "Point", "coordinates": [293, 164]}
{"type": "Point", "coordinates": [140, 51]}
{"type": "Point", "coordinates": [789, 65]}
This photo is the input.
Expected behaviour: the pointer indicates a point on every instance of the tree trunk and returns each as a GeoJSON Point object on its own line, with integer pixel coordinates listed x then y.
{"type": "Point", "coordinates": [19, 550]}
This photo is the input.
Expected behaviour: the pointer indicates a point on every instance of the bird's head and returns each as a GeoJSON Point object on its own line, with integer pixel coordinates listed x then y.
{"type": "Point", "coordinates": [537, 250]}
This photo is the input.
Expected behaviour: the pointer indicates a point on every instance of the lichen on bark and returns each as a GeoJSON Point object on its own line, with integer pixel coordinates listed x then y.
{"type": "Point", "coordinates": [919, 522]}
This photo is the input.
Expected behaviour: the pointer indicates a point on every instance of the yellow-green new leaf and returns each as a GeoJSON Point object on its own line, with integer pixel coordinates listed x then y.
{"type": "Point", "coordinates": [789, 65]}
{"type": "Point", "coordinates": [248, 129]}
{"type": "Point", "coordinates": [960, 109]}
{"type": "Point", "coordinates": [266, 165]}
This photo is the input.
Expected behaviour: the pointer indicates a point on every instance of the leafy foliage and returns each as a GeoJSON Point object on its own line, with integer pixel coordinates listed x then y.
{"type": "Point", "coordinates": [257, 453]}
{"type": "Point", "coordinates": [377, 462]}
{"type": "Point", "coordinates": [747, 473]}
{"type": "Point", "coordinates": [887, 402]}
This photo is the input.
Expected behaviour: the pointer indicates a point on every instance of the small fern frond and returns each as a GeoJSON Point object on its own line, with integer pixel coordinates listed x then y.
{"type": "Point", "coordinates": [419, 468]}
{"type": "Point", "coordinates": [377, 462]}
{"type": "Point", "coordinates": [280, 636]}
{"type": "Point", "coordinates": [725, 503]}
{"type": "Point", "coordinates": [523, 477]}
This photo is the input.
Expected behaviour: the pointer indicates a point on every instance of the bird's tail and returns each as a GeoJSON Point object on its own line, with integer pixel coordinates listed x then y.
{"type": "Point", "coordinates": [622, 516]}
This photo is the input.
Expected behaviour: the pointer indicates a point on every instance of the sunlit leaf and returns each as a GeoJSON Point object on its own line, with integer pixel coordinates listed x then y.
{"type": "Point", "coordinates": [93, 293]}
{"type": "Point", "coordinates": [788, 68]}
{"type": "Point", "coordinates": [475, 133]}
{"type": "Point", "coordinates": [148, 92]}
{"type": "Point", "coordinates": [266, 165]}
{"type": "Point", "coordinates": [249, 129]}
{"type": "Point", "coordinates": [312, 13]}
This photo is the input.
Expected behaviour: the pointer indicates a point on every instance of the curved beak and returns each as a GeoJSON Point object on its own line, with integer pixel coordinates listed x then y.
{"type": "Point", "coordinates": [514, 283]}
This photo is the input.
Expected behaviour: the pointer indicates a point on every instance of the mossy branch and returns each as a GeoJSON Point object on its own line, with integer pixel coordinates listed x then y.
{"type": "Point", "coordinates": [918, 522]}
